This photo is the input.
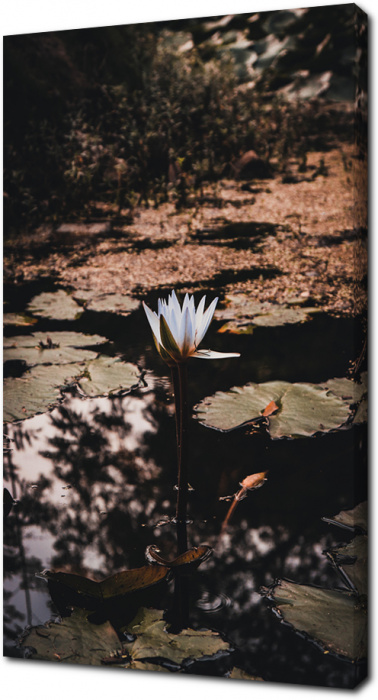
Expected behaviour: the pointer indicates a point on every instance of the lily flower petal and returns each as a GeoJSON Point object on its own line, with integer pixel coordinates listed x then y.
{"type": "Point", "coordinates": [153, 320]}
{"type": "Point", "coordinates": [208, 315]}
{"type": "Point", "coordinates": [178, 330]}
{"type": "Point", "coordinates": [213, 354]}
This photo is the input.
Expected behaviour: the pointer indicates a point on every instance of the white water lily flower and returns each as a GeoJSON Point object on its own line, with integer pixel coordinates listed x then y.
{"type": "Point", "coordinates": [179, 330]}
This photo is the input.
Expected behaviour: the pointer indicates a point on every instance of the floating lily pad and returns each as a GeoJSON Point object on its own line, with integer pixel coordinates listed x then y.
{"type": "Point", "coordinates": [153, 641]}
{"type": "Point", "coordinates": [57, 305]}
{"type": "Point", "coordinates": [353, 393]}
{"type": "Point", "coordinates": [352, 559]}
{"type": "Point", "coordinates": [55, 348]}
{"type": "Point", "coordinates": [242, 313]}
{"type": "Point", "coordinates": [108, 375]}
{"type": "Point", "coordinates": [304, 409]}
{"type": "Point", "coordinates": [337, 620]}
{"type": "Point", "coordinates": [112, 303]}
{"type": "Point", "coordinates": [74, 640]}
{"type": "Point", "coordinates": [18, 320]}
{"type": "Point", "coordinates": [355, 518]}
{"type": "Point", "coordinates": [37, 391]}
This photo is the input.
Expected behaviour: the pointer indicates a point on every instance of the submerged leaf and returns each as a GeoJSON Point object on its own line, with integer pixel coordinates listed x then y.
{"type": "Point", "coordinates": [337, 620]}
{"type": "Point", "coordinates": [304, 409]}
{"type": "Point", "coordinates": [105, 375]}
{"type": "Point", "coordinates": [74, 640]}
{"type": "Point", "coordinates": [57, 305]}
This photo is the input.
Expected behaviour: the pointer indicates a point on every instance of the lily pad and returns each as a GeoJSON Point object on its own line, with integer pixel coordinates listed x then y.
{"type": "Point", "coordinates": [336, 620]}
{"type": "Point", "coordinates": [352, 560]}
{"type": "Point", "coordinates": [108, 375]}
{"type": "Point", "coordinates": [37, 391]}
{"type": "Point", "coordinates": [74, 640]}
{"type": "Point", "coordinates": [18, 320]}
{"type": "Point", "coordinates": [352, 392]}
{"type": "Point", "coordinates": [55, 348]}
{"type": "Point", "coordinates": [120, 304]}
{"type": "Point", "coordinates": [242, 313]}
{"type": "Point", "coordinates": [57, 305]}
{"type": "Point", "coordinates": [304, 409]}
{"type": "Point", "coordinates": [355, 518]}
{"type": "Point", "coordinates": [153, 641]}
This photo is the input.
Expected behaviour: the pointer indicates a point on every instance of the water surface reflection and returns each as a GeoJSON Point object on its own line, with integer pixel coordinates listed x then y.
{"type": "Point", "coordinates": [95, 478]}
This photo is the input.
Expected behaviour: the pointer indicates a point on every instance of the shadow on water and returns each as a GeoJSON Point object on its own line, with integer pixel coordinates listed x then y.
{"type": "Point", "coordinates": [94, 480]}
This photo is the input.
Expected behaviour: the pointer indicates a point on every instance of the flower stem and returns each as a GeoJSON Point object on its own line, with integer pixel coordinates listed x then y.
{"type": "Point", "coordinates": [180, 388]}
{"type": "Point", "coordinates": [182, 456]}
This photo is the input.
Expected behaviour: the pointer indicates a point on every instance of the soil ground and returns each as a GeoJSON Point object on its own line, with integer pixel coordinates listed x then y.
{"type": "Point", "coordinates": [299, 237]}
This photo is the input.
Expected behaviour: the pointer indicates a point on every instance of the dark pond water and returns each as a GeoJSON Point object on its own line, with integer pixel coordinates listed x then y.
{"type": "Point", "coordinates": [95, 478]}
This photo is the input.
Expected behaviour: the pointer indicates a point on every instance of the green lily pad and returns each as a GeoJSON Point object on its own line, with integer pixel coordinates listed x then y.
{"type": "Point", "coordinates": [355, 518]}
{"type": "Point", "coordinates": [37, 391]}
{"type": "Point", "coordinates": [304, 409]}
{"type": "Point", "coordinates": [153, 641]}
{"type": "Point", "coordinates": [336, 620]}
{"type": "Point", "coordinates": [57, 305]}
{"type": "Point", "coordinates": [112, 303]}
{"type": "Point", "coordinates": [353, 393]}
{"type": "Point", "coordinates": [74, 640]}
{"type": "Point", "coordinates": [57, 348]}
{"type": "Point", "coordinates": [242, 313]}
{"type": "Point", "coordinates": [352, 559]}
{"type": "Point", "coordinates": [18, 320]}
{"type": "Point", "coordinates": [108, 375]}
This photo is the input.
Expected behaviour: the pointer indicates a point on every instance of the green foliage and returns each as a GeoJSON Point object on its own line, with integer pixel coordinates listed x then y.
{"type": "Point", "coordinates": [241, 313]}
{"type": "Point", "coordinates": [58, 305]}
{"type": "Point", "coordinates": [74, 640]}
{"type": "Point", "coordinates": [56, 348]}
{"type": "Point", "coordinates": [301, 409]}
{"type": "Point", "coordinates": [335, 619]}
{"type": "Point", "coordinates": [128, 117]}
{"type": "Point", "coordinates": [153, 641]}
